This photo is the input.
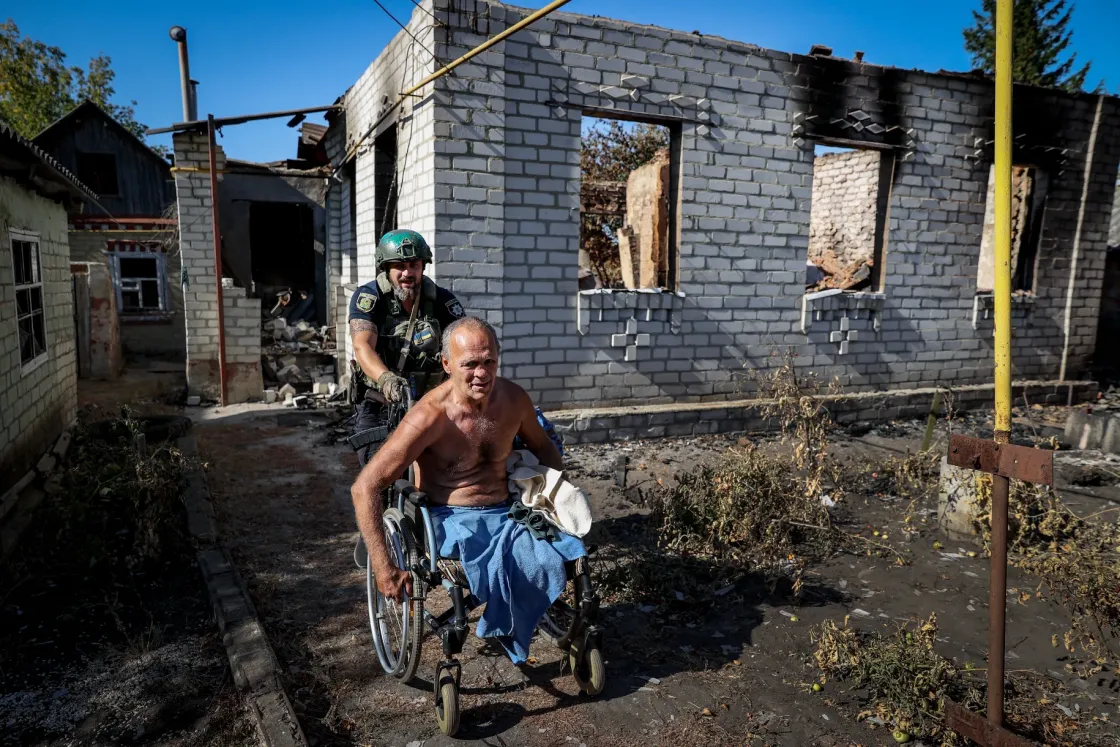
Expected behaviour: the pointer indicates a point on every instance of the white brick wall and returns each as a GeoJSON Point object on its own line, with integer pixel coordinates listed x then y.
{"type": "Point", "coordinates": [35, 404]}
{"type": "Point", "coordinates": [200, 297]}
{"type": "Point", "coordinates": [496, 180]}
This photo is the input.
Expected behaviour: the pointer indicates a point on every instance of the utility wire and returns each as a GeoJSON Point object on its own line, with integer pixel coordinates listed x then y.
{"type": "Point", "coordinates": [433, 15]}
{"type": "Point", "coordinates": [404, 29]}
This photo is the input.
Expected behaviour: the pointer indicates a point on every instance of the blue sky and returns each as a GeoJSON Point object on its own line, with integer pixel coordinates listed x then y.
{"type": "Point", "coordinates": [253, 56]}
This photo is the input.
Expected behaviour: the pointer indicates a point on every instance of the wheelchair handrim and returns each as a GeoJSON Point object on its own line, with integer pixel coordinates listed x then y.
{"type": "Point", "coordinates": [383, 612]}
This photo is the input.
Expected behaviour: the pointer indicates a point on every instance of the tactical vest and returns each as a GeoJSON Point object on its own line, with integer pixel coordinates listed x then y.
{"type": "Point", "coordinates": [423, 366]}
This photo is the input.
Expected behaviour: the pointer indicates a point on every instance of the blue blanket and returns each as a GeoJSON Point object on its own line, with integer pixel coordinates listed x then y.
{"type": "Point", "coordinates": [516, 576]}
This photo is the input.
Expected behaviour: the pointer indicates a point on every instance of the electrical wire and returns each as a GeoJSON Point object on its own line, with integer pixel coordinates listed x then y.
{"type": "Point", "coordinates": [404, 29]}
{"type": "Point", "coordinates": [433, 15]}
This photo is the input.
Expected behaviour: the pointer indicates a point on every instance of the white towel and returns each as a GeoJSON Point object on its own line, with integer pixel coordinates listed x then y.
{"type": "Point", "coordinates": [546, 491]}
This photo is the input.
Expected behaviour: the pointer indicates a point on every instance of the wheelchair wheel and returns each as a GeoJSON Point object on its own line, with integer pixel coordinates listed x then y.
{"type": "Point", "coordinates": [556, 624]}
{"type": "Point", "coordinates": [397, 626]}
{"type": "Point", "coordinates": [587, 668]}
{"type": "Point", "coordinates": [447, 707]}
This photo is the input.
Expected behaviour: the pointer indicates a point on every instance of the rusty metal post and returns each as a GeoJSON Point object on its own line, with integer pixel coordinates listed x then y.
{"type": "Point", "coordinates": [997, 598]}
{"type": "Point", "coordinates": [217, 259]}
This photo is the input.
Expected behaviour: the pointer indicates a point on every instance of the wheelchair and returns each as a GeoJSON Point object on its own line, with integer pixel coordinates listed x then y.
{"type": "Point", "coordinates": [398, 628]}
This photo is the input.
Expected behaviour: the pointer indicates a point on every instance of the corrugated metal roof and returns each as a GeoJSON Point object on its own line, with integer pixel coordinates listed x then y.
{"type": "Point", "coordinates": [37, 153]}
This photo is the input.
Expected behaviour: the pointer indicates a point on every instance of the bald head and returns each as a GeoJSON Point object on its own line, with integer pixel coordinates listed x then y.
{"type": "Point", "coordinates": [470, 326]}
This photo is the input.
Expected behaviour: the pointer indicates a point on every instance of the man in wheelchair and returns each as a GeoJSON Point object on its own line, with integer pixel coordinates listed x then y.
{"type": "Point", "coordinates": [459, 436]}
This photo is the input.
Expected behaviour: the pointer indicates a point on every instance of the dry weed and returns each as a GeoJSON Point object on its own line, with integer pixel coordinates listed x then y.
{"type": "Point", "coordinates": [750, 510]}
{"type": "Point", "coordinates": [1077, 561]}
{"type": "Point", "coordinates": [906, 680]}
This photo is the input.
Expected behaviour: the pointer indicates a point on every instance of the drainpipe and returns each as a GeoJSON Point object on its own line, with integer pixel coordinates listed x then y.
{"type": "Point", "coordinates": [1068, 323]}
{"type": "Point", "coordinates": [179, 36]}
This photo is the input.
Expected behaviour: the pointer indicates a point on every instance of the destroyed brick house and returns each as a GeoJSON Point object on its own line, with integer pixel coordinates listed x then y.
{"type": "Point", "coordinates": [128, 228]}
{"type": "Point", "coordinates": [485, 162]}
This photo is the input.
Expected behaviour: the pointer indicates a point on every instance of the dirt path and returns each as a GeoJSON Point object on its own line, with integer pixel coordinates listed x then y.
{"type": "Point", "coordinates": [675, 676]}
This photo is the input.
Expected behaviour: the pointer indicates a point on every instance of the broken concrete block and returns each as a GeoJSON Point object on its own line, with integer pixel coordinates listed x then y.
{"type": "Point", "coordinates": [270, 396]}
{"type": "Point", "coordinates": [957, 505]}
{"type": "Point", "coordinates": [194, 400]}
{"type": "Point", "coordinates": [1093, 431]}
{"type": "Point", "coordinates": [287, 391]}
{"type": "Point", "coordinates": [47, 463]}
{"type": "Point", "coordinates": [320, 387]}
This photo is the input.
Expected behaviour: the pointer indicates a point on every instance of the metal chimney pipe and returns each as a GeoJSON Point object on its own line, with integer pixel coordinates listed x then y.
{"type": "Point", "coordinates": [179, 36]}
{"type": "Point", "coordinates": [194, 100]}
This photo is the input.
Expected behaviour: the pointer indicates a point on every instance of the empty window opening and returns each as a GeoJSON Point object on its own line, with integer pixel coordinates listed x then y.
{"type": "Point", "coordinates": [1029, 186]}
{"type": "Point", "coordinates": [28, 276]}
{"type": "Point", "coordinates": [848, 219]}
{"type": "Point", "coordinates": [628, 204]}
{"type": "Point", "coordinates": [141, 283]}
{"type": "Point", "coordinates": [98, 171]}
{"type": "Point", "coordinates": [386, 181]}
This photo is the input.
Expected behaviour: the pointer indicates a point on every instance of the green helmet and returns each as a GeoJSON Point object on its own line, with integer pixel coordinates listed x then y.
{"type": "Point", "coordinates": [402, 246]}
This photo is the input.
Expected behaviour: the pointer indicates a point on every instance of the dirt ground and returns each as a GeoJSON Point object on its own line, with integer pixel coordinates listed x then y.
{"type": "Point", "coordinates": [141, 663]}
{"type": "Point", "coordinates": [681, 671]}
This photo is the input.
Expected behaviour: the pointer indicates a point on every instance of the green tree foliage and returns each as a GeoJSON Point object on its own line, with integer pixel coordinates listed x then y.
{"type": "Point", "coordinates": [1040, 39]}
{"type": "Point", "coordinates": [611, 150]}
{"type": "Point", "coordinates": [37, 86]}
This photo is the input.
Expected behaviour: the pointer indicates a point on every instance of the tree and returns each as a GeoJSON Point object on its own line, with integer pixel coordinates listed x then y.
{"type": "Point", "coordinates": [1041, 36]}
{"type": "Point", "coordinates": [611, 150]}
{"type": "Point", "coordinates": [37, 87]}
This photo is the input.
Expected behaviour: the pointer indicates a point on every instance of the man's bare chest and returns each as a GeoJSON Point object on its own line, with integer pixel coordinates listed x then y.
{"type": "Point", "coordinates": [467, 446]}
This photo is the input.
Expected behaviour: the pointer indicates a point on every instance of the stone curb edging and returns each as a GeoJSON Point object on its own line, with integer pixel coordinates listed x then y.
{"type": "Point", "coordinates": [256, 670]}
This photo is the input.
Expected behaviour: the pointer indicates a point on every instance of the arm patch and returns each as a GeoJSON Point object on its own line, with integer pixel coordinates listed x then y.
{"type": "Point", "coordinates": [362, 303]}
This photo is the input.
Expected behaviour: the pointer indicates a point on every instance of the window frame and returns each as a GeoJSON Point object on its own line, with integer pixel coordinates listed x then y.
{"type": "Point", "coordinates": [30, 237]}
{"type": "Point", "coordinates": [675, 126]}
{"type": "Point", "coordinates": [887, 172]}
{"type": "Point", "coordinates": [143, 314]}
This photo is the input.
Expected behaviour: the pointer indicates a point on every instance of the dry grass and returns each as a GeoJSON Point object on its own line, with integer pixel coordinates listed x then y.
{"type": "Point", "coordinates": [751, 510]}
{"type": "Point", "coordinates": [907, 682]}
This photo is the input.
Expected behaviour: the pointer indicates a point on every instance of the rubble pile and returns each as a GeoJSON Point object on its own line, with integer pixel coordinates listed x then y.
{"type": "Point", "coordinates": [298, 360]}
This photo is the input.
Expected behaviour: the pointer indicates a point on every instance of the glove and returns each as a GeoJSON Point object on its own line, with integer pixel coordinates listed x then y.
{"type": "Point", "coordinates": [392, 387]}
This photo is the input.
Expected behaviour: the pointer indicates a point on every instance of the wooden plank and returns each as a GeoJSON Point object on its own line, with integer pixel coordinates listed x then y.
{"type": "Point", "coordinates": [80, 285]}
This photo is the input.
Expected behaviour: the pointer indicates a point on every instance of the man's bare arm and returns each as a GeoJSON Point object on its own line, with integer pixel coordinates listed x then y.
{"type": "Point", "coordinates": [364, 335]}
{"type": "Point", "coordinates": [414, 434]}
{"type": "Point", "coordinates": [531, 432]}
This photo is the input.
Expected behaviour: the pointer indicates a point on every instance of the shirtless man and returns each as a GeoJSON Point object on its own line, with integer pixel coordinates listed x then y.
{"type": "Point", "coordinates": [459, 435]}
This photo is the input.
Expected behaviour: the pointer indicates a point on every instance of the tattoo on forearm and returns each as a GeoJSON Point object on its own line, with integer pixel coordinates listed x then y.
{"type": "Point", "coordinates": [361, 325]}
